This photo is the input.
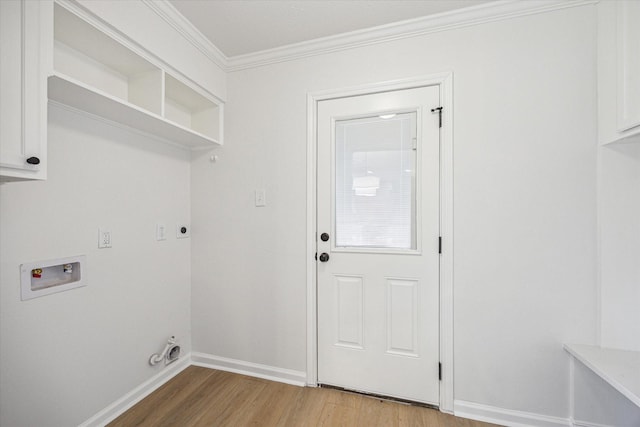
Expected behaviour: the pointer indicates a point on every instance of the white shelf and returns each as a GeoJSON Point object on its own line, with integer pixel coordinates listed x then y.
{"type": "Point", "coordinates": [619, 368]}
{"type": "Point", "coordinates": [69, 91]}
{"type": "Point", "coordinates": [102, 76]}
{"type": "Point", "coordinates": [186, 107]}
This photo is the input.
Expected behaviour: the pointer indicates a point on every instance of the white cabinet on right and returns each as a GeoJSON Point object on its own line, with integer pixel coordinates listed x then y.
{"type": "Point", "coordinates": [628, 45]}
{"type": "Point", "coordinates": [618, 70]}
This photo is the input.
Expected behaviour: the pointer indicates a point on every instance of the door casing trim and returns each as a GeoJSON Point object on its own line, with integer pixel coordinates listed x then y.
{"type": "Point", "coordinates": [444, 81]}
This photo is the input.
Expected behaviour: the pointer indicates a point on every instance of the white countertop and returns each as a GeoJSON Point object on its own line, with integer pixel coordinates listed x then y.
{"type": "Point", "coordinates": [620, 368]}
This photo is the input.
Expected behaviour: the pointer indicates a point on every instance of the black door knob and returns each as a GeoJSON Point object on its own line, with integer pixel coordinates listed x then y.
{"type": "Point", "coordinates": [324, 257]}
{"type": "Point", "coordinates": [33, 161]}
{"type": "Point", "coordinates": [324, 237]}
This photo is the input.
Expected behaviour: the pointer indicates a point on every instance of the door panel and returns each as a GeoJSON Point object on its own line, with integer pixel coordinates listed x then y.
{"type": "Point", "coordinates": [349, 322]}
{"type": "Point", "coordinates": [378, 183]}
{"type": "Point", "coordinates": [402, 317]}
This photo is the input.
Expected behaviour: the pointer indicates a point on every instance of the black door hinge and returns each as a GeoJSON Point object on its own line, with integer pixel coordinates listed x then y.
{"type": "Point", "coordinates": [316, 256]}
{"type": "Point", "coordinates": [439, 110]}
{"type": "Point", "coordinates": [439, 371]}
{"type": "Point", "coordinates": [440, 244]}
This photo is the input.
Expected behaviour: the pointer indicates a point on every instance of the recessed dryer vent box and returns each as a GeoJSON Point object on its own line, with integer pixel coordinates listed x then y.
{"type": "Point", "coordinates": [47, 277]}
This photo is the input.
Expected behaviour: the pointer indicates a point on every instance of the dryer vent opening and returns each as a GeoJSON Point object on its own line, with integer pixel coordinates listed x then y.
{"type": "Point", "coordinates": [170, 354]}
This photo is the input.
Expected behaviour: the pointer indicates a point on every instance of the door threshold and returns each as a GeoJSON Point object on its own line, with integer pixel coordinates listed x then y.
{"type": "Point", "coordinates": [380, 396]}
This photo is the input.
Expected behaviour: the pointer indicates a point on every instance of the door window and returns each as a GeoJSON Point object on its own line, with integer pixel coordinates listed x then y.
{"type": "Point", "coordinates": [375, 182]}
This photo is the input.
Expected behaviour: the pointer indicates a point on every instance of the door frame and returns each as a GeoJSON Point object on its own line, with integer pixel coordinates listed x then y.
{"type": "Point", "coordinates": [445, 82]}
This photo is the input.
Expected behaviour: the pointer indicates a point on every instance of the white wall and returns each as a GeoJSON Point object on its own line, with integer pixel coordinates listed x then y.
{"type": "Point", "coordinates": [66, 356]}
{"type": "Point", "coordinates": [620, 245]}
{"type": "Point", "coordinates": [524, 194]}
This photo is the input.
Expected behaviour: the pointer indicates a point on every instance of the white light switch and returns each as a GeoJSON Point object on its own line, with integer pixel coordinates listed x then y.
{"type": "Point", "coordinates": [104, 238]}
{"type": "Point", "coordinates": [161, 232]}
{"type": "Point", "coordinates": [261, 198]}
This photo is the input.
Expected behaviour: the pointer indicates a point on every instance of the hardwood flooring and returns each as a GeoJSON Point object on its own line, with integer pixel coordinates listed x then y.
{"type": "Point", "coordinates": [206, 397]}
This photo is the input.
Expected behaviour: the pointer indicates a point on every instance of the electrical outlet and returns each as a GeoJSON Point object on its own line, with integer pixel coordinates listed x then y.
{"type": "Point", "coordinates": [104, 238]}
{"type": "Point", "coordinates": [183, 231]}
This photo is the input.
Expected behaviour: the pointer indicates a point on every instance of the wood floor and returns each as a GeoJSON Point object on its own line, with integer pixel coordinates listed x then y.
{"type": "Point", "coordinates": [206, 397]}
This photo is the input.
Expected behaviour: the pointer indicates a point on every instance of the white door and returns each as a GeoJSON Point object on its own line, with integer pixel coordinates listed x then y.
{"type": "Point", "coordinates": [378, 243]}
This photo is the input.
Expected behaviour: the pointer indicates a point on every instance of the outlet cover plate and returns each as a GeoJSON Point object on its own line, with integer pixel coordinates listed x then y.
{"type": "Point", "coordinates": [183, 231]}
{"type": "Point", "coordinates": [104, 238]}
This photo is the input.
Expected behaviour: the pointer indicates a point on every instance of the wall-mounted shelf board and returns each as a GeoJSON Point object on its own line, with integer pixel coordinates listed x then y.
{"type": "Point", "coordinates": [69, 91]}
{"type": "Point", "coordinates": [189, 109]}
{"type": "Point", "coordinates": [620, 368]}
{"type": "Point", "coordinates": [96, 73]}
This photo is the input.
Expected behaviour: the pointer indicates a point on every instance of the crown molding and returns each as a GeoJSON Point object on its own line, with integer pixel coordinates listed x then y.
{"type": "Point", "coordinates": [484, 13]}
{"type": "Point", "coordinates": [489, 12]}
{"type": "Point", "coordinates": [170, 14]}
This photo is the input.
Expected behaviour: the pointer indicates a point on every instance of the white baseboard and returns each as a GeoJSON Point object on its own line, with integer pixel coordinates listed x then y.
{"type": "Point", "coordinates": [118, 407]}
{"type": "Point", "coordinates": [505, 417]}
{"type": "Point", "coordinates": [474, 411]}
{"type": "Point", "coordinates": [578, 423]}
{"type": "Point", "coordinates": [267, 372]}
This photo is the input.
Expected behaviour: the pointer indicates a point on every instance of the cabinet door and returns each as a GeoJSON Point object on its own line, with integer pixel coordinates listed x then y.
{"type": "Point", "coordinates": [628, 41]}
{"type": "Point", "coordinates": [25, 27]}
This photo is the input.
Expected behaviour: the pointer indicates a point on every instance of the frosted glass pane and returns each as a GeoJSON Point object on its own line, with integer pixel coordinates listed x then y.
{"type": "Point", "coordinates": [375, 194]}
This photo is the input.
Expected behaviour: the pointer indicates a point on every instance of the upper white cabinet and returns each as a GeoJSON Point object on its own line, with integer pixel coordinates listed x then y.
{"type": "Point", "coordinates": [117, 80]}
{"type": "Point", "coordinates": [628, 79]}
{"type": "Point", "coordinates": [25, 61]}
{"type": "Point", "coordinates": [62, 51]}
{"type": "Point", "coordinates": [619, 70]}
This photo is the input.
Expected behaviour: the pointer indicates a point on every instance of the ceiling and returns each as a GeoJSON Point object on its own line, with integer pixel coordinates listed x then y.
{"type": "Point", "coordinates": [239, 27]}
